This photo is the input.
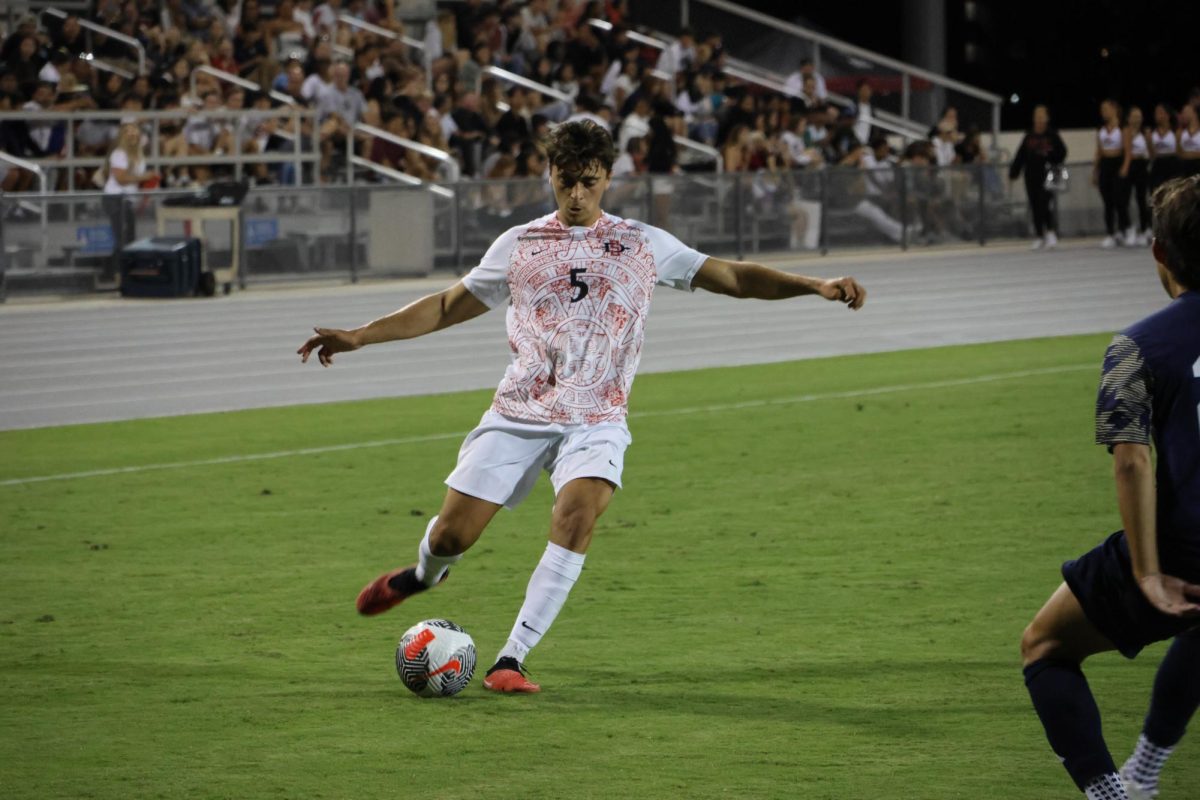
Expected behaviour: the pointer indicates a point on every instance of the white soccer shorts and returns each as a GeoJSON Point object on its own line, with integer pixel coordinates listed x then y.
{"type": "Point", "coordinates": [500, 460]}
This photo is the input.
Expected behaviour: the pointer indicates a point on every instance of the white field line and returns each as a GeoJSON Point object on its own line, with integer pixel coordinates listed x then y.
{"type": "Point", "coordinates": [715, 408]}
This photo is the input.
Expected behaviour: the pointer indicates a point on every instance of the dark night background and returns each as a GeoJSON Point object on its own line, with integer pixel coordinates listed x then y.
{"type": "Point", "coordinates": [1045, 51]}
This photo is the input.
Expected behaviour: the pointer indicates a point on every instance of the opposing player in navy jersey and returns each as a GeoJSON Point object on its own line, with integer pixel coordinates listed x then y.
{"type": "Point", "coordinates": [1142, 584]}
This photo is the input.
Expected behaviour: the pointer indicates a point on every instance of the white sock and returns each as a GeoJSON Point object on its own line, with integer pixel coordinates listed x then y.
{"type": "Point", "coordinates": [1146, 762]}
{"type": "Point", "coordinates": [548, 588]}
{"type": "Point", "coordinates": [1106, 787]}
{"type": "Point", "coordinates": [431, 568]}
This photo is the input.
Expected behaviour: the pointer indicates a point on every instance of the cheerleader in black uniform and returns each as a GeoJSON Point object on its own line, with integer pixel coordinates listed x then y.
{"type": "Point", "coordinates": [1189, 141]}
{"type": "Point", "coordinates": [1110, 155]}
{"type": "Point", "coordinates": [1135, 172]}
{"type": "Point", "coordinates": [1164, 147]}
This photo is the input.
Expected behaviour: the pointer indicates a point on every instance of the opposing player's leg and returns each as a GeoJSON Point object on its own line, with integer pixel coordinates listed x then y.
{"type": "Point", "coordinates": [457, 526]}
{"type": "Point", "coordinates": [1173, 703]}
{"type": "Point", "coordinates": [1052, 649]}
{"type": "Point", "coordinates": [579, 504]}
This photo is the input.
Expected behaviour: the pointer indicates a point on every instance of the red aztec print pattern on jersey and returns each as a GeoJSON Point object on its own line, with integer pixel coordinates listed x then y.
{"type": "Point", "coordinates": [576, 323]}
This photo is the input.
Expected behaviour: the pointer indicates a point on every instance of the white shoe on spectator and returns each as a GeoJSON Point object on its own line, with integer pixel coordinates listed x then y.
{"type": "Point", "coordinates": [1037, 244]}
{"type": "Point", "coordinates": [1143, 239]}
{"type": "Point", "coordinates": [1051, 240]}
{"type": "Point", "coordinates": [1109, 243]}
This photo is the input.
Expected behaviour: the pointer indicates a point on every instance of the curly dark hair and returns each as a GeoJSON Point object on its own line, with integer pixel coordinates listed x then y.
{"type": "Point", "coordinates": [574, 146]}
{"type": "Point", "coordinates": [1177, 227]}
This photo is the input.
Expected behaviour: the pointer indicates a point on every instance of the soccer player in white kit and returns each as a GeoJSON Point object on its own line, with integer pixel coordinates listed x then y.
{"type": "Point", "coordinates": [576, 285]}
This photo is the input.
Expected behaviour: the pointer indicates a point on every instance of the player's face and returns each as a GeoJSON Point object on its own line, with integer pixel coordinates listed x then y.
{"type": "Point", "coordinates": [578, 193]}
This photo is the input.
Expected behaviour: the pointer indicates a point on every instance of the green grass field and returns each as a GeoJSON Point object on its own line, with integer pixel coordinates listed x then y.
{"type": "Point", "coordinates": [813, 586]}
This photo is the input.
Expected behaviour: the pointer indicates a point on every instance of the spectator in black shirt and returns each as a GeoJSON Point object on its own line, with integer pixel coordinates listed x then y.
{"type": "Point", "coordinates": [1040, 150]}
{"type": "Point", "coordinates": [69, 36]}
{"type": "Point", "coordinates": [26, 27]}
{"type": "Point", "coordinates": [586, 54]}
{"type": "Point", "coordinates": [25, 64]}
{"type": "Point", "coordinates": [513, 127]}
{"type": "Point", "coordinates": [472, 130]}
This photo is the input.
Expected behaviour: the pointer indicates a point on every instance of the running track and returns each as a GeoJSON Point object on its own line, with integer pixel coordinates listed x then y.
{"type": "Point", "coordinates": [109, 359]}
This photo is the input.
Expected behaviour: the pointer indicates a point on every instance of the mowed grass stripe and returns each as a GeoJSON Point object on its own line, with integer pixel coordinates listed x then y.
{"type": "Point", "coordinates": [708, 409]}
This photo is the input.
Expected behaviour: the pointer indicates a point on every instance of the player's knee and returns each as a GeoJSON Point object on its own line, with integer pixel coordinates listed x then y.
{"type": "Point", "coordinates": [573, 525]}
{"type": "Point", "coordinates": [450, 537]}
{"type": "Point", "coordinates": [1036, 645]}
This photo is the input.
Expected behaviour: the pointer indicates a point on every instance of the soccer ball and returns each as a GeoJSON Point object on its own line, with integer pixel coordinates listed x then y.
{"type": "Point", "coordinates": [435, 658]}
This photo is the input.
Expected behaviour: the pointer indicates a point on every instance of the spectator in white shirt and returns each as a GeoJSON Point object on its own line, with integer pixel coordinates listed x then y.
{"type": "Point", "coordinates": [679, 55]}
{"type": "Point", "coordinates": [637, 124]}
{"type": "Point", "coordinates": [324, 16]}
{"type": "Point", "coordinates": [795, 82]}
{"type": "Point", "coordinates": [316, 83]}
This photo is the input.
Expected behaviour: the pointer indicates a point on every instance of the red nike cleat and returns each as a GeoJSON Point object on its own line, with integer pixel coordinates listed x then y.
{"type": "Point", "coordinates": [391, 589]}
{"type": "Point", "coordinates": [508, 675]}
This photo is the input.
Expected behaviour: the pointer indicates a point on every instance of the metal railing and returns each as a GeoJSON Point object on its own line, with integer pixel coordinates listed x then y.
{"type": "Point", "coordinates": [43, 186]}
{"type": "Point", "coordinates": [904, 128]}
{"type": "Point", "coordinates": [387, 33]}
{"type": "Point", "coordinates": [104, 66]}
{"type": "Point", "coordinates": [706, 151]}
{"type": "Point", "coordinates": [69, 159]}
{"type": "Point", "coordinates": [397, 175]}
{"type": "Point", "coordinates": [818, 40]}
{"type": "Point", "coordinates": [90, 26]}
{"type": "Point", "coordinates": [352, 231]}
{"type": "Point", "coordinates": [237, 80]}
{"type": "Point", "coordinates": [527, 83]}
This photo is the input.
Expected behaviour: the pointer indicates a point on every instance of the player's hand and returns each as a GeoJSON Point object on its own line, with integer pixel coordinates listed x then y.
{"type": "Point", "coordinates": [1170, 595]}
{"type": "Point", "coordinates": [331, 341]}
{"type": "Point", "coordinates": [844, 290]}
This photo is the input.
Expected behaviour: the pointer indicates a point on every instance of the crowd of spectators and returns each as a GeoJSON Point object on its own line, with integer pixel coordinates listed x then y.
{"type": "Point", "coordinates": [439, 96]}
{"type": "Point", "coordinates": [442, 95]}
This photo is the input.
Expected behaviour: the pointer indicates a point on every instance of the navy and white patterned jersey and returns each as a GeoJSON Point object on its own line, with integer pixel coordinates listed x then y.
{"type": "Point", "coordinates": [1150, 393]}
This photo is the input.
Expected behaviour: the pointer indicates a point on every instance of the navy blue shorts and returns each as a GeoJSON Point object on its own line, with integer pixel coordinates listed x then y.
{"type": "Point", "coordinates": [1102, 581]}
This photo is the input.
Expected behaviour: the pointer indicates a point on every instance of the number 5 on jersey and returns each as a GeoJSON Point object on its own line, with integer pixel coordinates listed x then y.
{"type": "Point", "coordinates": [576, 282]}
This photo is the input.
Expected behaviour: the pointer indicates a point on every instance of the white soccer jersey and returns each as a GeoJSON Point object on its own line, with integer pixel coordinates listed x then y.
{"type": "Point", "coordinates": [578, 299]}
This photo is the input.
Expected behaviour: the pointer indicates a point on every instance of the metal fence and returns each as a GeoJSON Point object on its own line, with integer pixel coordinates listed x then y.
{"type": "Point", "coordinates": [389, 230]}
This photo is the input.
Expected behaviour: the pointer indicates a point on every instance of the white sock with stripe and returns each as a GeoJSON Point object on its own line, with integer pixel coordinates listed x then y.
{"type": "Point", "coordinates": [548, 588]}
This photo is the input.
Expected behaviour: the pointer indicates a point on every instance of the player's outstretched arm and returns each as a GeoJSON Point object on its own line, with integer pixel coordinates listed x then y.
{"type": "Point", "coordinates": [431, 313]}
{"type": "Point", "coordinates": [1133, 471]}
{"type": "Point", "coordinates": [745, 279]}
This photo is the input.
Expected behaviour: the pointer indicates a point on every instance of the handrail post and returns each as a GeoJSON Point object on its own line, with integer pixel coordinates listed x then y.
{"type": "Point", "coordinates": [738, 215]}
{"type": "Point", "coordinates": [297, 164]}
{"type": "Point", "coordinates": [982, 203]}
{"type": "Point", "coordinates": [237, 165]}
{"type": "Point", "coordinates": [70, 170]}
{"type": "Point", "coordinates": [902, 180]}
{"type": "Point", "coordinates": [816, 57]}
{"type": "Point", "coordinates": [824, 182]}
{"type": "Point", "coordinates": [458, 230]}
{"type": "Point", "coordinates": [353, 233]}
{"type": "Point", "coordinates": [684, 14]}
{"type": "Point", "coordinates": [905, 95]}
